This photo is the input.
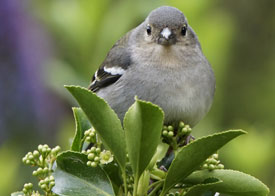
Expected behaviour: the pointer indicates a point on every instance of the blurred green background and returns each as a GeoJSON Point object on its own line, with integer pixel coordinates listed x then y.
{"type": "Point", "coordinates": [46, 44]}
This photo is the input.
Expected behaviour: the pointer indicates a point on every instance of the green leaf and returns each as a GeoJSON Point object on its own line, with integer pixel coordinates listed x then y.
{"type": "Point", "coordinates": [200, 189]}
{"type": "Point", "coordinates": [114, 174]}
{"type": "Point", "coordinates": [190, 157]}
{"type": "Point", "coordinates": [104, 120]}
{"type": "Point", "coordinates": [233, 182]}
{"type": "Point", "coordinates": [82, 124]}
{"type": "Point", "coordinates": [74, 178]}
{"type": "Point", "coordinates": [143, 124]}
{"type": "Point", "coordinates": [159, 154]}
{"type": "Point", "coordinates": [17, 194]}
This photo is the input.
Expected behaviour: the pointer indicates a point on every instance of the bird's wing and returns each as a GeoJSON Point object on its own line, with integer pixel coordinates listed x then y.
{"type": "Point", "coordinates": [114, 65]}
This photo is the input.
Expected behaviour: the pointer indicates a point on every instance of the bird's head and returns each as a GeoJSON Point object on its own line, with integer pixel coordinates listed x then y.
{"type": "Point", "coordinates": [167, 26]}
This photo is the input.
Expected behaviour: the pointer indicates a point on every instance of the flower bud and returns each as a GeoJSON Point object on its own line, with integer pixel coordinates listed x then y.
{"type": "Point", "coordinates": [181, 124]}
{"type": "Point", "coordinates": [170, 128]}
{"type": "Point", "coordinates": [98, 150]}
{"type": "Point", "coordinates": [35, 153]}
{"type": "Point", "coordinates": [93, 164]}
{"type": "Point", "coordinates": [91, 156]}
{"type": "Point", "coordinates": [93, 149]}
{"type": "Point", "coordinates": [170, 134]}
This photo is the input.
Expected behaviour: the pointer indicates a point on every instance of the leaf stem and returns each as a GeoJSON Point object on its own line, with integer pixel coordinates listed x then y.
{"type": "Point", "coordinates": [154, 184]}
{"type": "Point", "coordinates": [135, 185]}
{"type": "Point", "coordinates": [125, 182]}
{"type": "Point", "coordinates": [156, 188]}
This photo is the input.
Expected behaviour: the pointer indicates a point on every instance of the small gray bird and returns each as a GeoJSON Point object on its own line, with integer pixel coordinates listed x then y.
{"type": "Point", "coordinates": [160, 61]}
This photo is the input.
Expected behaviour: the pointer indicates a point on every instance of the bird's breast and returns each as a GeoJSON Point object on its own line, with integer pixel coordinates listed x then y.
{"type": "Point", "coordinates": [182, 93]}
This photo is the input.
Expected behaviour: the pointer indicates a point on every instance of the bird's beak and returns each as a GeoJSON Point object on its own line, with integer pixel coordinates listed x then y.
{"type": "Point", "coordinates": [166, 37]}
{"type": "Point", "coordinates": [166, 32]}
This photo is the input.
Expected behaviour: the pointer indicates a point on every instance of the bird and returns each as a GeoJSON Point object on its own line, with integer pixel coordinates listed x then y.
{"type": "Point", "coordinates": [160, 61]}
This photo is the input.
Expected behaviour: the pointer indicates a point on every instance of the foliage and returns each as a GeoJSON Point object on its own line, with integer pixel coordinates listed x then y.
{"type": "Point", "coordinates": [140, 158]}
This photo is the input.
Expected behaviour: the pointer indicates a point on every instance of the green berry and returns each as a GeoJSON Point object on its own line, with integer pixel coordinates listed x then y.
{"type": "Point", "coordinates": [93, 164]}
{"type": "Point", "coordinates": [51, 185]}
{"type": "Point", "coordinates": [44, 150]}
{"type": "Point", "coordinates": [93, 149]}
{"type": "Point", "coordinates": [35, 153]}
{"type": "Point", "coordinates": [98, 150]}
{"type": "Point", "coordinates": [170, 134]}
{"type": "Point", "coordinates": [96, 159]}
{"type": "Point", "coordinates": [220, 166]}
{"type": "Point", "coordinates": [30, 185]}
{"type": "Point", "coordinates": [205, 166]}
{"type": "Point", "coordinates": [165, 133]}
{"type": "Point", "coordinates": [51, 178]}
{"type": "Point", "coordinates": [45, 170]}
{"type": "Point", "coordinates": [211, 167]}
{"type": "Point", "coordinates": [86, 133]}
{"type": "Point", "coordinates": [47, 180]}
{"type": "Point", "coordinates": [24, 159]}
{"type": "Point", "coordinates": [91, 156]}
{"type": "Point", "coordinates": [40, 147]}
{"type": "Point", "coordinates": [184, 130]}
{"type": "Point", "coordinates": [215, 156]}
{"type": "Point", "coordinates": [44, 186]}
{"type": "Point", "coordinates": [181, 124]}
{"type": "Point", "coordinates": [30, 157]}
{"type": "Point", "coordinates": [164, 127]}
{"type": "Point", "coordinates": [56, 149]}
{"type": "Point", "coordinates": [170, 128]}
{"type": "Point", "coordinates": [25, 190]}
{"type": "Point", "coordinates": [34, 173]}
{"type": "Point", "coordinates": [45, 146]}
{"type": "Point", "coordinates": [212, 161]}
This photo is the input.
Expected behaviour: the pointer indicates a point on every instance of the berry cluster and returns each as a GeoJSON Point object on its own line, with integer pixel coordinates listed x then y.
{"type": "Point", "coordinates": [27, 190]}
{"type": "Point", "coordinates": [176, 136]}
{"type": "Point", "coordinates": [47, 184]}
{"type": "Point", "coordinates": [90, 135]}
{"type": "Point", "coordinates": [93, 156]}
{"type": "Point", "coordinates": [212, 163]}
{"type": "Point", "coordinates": [43, 158]}
{"type": "Point", "coordinates": [96, 156]}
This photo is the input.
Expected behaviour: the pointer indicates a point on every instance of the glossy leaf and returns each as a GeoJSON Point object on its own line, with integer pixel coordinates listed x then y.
{"type": "Point", "coordinates": [143, 124]}
{"type": "Point", "coordinates": [114, 174]}
{"type": "Point", "coordinates": [233, 182]}
{"type": "Point", "coordinates": [104, 120]}
{"type": "Point", "coordinates": [74, 178]}
{"type": "Point", "coordinates": [190, 157]}
{"type": "Point", "coordinates": [201, 189]}
{"type": "Point", "coordinates": [159, 154]}
{"type": "Point", "coordinates": [81, 125]}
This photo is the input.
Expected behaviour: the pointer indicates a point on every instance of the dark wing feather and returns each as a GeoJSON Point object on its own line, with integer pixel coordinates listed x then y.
{"type": "Point", "coordinates": [118, 56]}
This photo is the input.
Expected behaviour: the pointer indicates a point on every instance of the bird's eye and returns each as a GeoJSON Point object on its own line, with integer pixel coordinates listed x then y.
{"type": "Point", "coordinates": [148, 30]}
{"type": "Point", "coordinates": [183, 30]}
